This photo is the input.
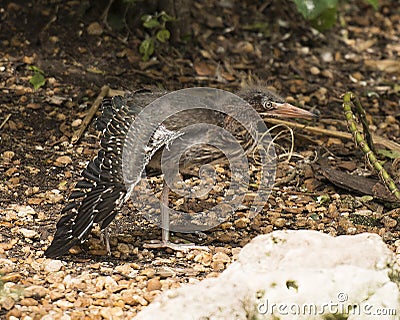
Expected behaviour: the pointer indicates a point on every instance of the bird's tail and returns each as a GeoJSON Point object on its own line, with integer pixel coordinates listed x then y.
{"type": "Point", "coordinates": [92, 202]}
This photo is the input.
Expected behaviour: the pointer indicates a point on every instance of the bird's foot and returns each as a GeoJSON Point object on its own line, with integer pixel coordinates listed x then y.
{"type": "Point", "coordinates": [184, 247]}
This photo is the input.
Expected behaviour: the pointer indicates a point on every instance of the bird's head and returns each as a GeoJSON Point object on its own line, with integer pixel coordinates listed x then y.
{"type": "Point", "coordinates": [271, 105]}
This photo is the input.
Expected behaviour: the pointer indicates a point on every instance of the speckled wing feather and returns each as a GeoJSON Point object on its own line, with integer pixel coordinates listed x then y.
{"type": "Point", "coordinates": [101, 192]}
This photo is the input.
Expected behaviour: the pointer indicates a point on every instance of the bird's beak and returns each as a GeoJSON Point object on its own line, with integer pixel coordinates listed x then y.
{"type": "Point", "coordinates": [286, 110]}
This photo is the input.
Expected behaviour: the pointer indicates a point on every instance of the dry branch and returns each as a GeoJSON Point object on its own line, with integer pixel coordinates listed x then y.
{"type": "Point", "coordinates": [89, 116]}
{"type": "Point", "coordinates": [391, 145]}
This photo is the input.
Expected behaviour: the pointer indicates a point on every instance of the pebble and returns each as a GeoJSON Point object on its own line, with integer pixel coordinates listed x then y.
{"type": "Point", "coordinates": [217, 266]}
{"type": "Point", "coordinates": [199, 268]}
{"type": "Point", "coordinates": [95, 29]}
{"type": "Point", "coordinates": [36, 291]}
{"type": "Point", "coordinates": [221, 257]}
{"type": "Point", "coordinates": [279, 222]}
{"type": "Point", "coordinates": [301, 221]}
{"type": "Point", "coordinates": [10, 172]}
{"type": "Point", "coordinates": [148, 272]}
{"type": "Point", "coordinates": [327, 74]}
{"type": "Point", "coordinates": [101, 295]}
{"type": "Point", "coordinates": [140, 300]}
{"type": "Point", "coordinates": [24, 211]}
{"type": "Point", "coordinates": [166, 272]}
{"type": "Point", "coordinates": [112, 313]}
{"type": "Point", "coordinates": [110, 284]}
{"type": "Point", "coordinates": [63, 161]}
{"type": "Point", "coordinates": [244, 46]}
{"type": "Point", "coordinates": [27, 233]}
{"type": "Point", "coordinates": [14, 314]}
{"type": "Point", "coordinates": [6, 266]}
{"type": "Point", "coordinates": [242, 223]}
{"type": "Point", "coordinates": [150, 296]}
{"type": "Point", "coordinates": [204, 258]}
{"type": "Point", "coordinates": [28, 302]}
{"type": "Point", "coordinates": [8, 156]}
{"type": "Point", "coordinates": [154, 284]}
{"type": "Point", "coordinates": [351, 230]}
{"type": "Point", "coordinates": [391, 119]}
{"type": "Point", "coordinates": [235, 252]}
{"type": "Point", "coordinates": [123, 248]}
{"type": "Point", "coordinates": [126, 270]}
{"type": "Point", "coordinates": [7, 302]}
{"type": "Point", "coordinates": [226, 225]}
{"type": "Point", "coordinates": [389, 222]}
{"type": "Point", "coordinates": [54, 195]}
{"type": "Point", "coordinates": [53, 266]}
{"type": "Point", "coordinates": [76, 123]}
{"type": "Point", "coordinates": [315, 71]}
{"type": "Point", "coordinates": [61, 117]}
{"type": "Point", "coordinates": [11, 277]}
{"type": "Point", "coordinates": [327, 56]}
{"type": "Point", "coordinates": [63, 304]}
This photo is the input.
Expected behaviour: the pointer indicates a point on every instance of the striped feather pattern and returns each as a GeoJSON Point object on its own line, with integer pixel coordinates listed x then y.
{"type": "Point", "coordinates": [101, 192]}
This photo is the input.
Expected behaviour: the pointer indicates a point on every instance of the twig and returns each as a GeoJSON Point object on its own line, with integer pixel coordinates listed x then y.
{"type": "Point", "coordinates": [89, 116]}
{"type": "Point", "coordinates": [5, 120]}
{"type": "Point", "coordinates": [359, 140]}
{"type": "Point", "coordinates": [104, 15]}
{"type": "Point", "coordinates": [334, 133]}
{"type": "Point", "coordinates": [53, 19]}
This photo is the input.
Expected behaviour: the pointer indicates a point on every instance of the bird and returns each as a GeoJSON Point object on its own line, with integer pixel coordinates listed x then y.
{"type": "Point", "coordinates": [101, 191]}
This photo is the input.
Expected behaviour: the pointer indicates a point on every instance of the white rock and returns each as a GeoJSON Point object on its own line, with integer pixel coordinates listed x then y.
{"type": "Point", "coordinates": [293, 275]}
{"type": "Point", "coordinates": [53, 266]}
{"type": "Point", "coordinates": [24, 211]}
{"type": "Point", "coordinates": [27, 233]}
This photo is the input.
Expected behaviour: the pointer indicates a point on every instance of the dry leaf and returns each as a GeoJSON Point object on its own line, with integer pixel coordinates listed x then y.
{"type": "Point", "coordinates": [204, 69]}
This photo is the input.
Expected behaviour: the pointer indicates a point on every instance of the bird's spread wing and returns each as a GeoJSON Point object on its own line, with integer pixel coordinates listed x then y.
{"type": "Point", "coordinates": [102, 191]}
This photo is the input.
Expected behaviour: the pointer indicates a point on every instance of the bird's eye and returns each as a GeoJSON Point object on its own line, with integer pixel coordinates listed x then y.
{"type": "Point", "coordinates": [267, 104]}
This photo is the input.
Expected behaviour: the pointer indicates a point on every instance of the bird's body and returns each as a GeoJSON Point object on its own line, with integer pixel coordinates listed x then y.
{"type": "Point", "coordinates": [102, 191]}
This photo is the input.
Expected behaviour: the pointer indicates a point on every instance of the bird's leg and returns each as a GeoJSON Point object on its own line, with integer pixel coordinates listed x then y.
{"type": "Point", "coordinates": [165, 214]}
{"type": "Point", "coordinates": [165, 243]}
{"type": "Point", "coordinates": [105, 238]}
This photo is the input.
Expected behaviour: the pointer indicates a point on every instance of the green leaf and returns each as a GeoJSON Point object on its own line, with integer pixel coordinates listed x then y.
{"type": "Point", "coordinates": [37, 80]}
{"type": "Point", "coordinates": [146, 48]}
{"type": "Point", "coordinates": [163, 35]}
{"type": "Point", "coordinates": [151, 24]}
{"type": "Point", "coordinates": [321, 13]}
{"type": "Point", "coordinates": [312, 9]}
{"type": "Point", "coordinates": [146, 17]}
{"type": "Point", "coordinates": [323, 199]}
{"type": "Point", "coordinates": [391, 154]}
{"type": "Point", "coordinates": [325, 20]}
{"type": "Point", "coordinates": [165, 17]}
{"type": "Point", "coordinates": [36, 69]}
{"type": "Point", "coordinates": [373, 3]}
